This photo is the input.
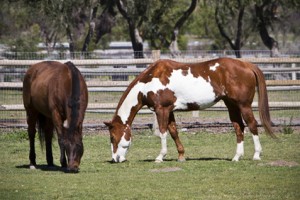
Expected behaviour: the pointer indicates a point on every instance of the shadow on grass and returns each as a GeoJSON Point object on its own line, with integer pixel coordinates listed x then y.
{"type": "Point", "coordinates": [189, 159]}
{"type": "Point", "coordinates": [47, 168]}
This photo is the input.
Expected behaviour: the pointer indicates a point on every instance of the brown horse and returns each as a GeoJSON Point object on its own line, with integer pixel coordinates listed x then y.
{"type": "Point", "coordinates": [55, 97]}
{"type": "Point", "coordinates": [167, 86]}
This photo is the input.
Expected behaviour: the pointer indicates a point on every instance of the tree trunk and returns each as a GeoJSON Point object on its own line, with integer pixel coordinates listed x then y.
{"type": "Point", "coordinates": [136, 39]}
{"type": "Point", "coordinates": [71, 41]}
{"type": "Point", "coordinates": [91, 30]}
{"type": "Point", "coordinates": [106, 21]}
{"type": "Point", "coordinates": [173, 47]}
{"type": "Point", "coordinates": [268, 41]}
{"type": "Point", "coordinates": [238, 43]}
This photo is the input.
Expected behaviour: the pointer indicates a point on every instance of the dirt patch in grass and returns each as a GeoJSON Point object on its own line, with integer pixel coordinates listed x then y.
{"type": "Point", "coordinates": [282, 163]}
{"type": "Point", "coordinates": [168, 169]}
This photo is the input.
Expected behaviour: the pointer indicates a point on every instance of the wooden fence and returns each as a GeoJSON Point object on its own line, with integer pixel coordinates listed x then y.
{"type": "Point", "coordinates": [109, 68]}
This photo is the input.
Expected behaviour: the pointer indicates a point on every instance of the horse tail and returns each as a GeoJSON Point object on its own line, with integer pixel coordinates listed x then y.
{"type": "Point", "coordinates": [263, 103]}
{"type": "Point", "coordinates": [41, 124]}
{"type": "Point", "coordinates": [74, 101]}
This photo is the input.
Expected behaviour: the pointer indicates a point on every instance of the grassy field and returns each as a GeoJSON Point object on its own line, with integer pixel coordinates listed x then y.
{"type": "Point", "coordinates": [208, 172]}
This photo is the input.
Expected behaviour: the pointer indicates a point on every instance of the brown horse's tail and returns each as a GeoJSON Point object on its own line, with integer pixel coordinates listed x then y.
{"type": "Point", "coordinates": [263, 103]}
{"type": "Point", "coordinates": [45, 128]}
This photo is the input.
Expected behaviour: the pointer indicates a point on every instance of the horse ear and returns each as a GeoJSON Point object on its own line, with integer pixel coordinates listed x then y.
{"type": "Point", "coordinates": [108, 124]}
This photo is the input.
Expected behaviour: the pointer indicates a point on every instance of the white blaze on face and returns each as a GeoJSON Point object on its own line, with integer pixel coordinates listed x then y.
{"type": "Point", "coordinates": [213, 68]}
{"type": "Point", "coordinates": [186, 88]}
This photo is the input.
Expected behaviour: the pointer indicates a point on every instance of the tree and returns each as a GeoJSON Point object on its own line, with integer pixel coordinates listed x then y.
{"type": "Point", "coordinates": [174, 38]}
{"type": "Point", "coordinates": [230, 19]}
{"type": "Point", "coordinates": [270, 13]}
{"type": "Point", "coordinates": [102, 24]}
{"type": "Point", "coordinates": [157, 21]}
{"type": "Point", "coordinates": [134, 13]}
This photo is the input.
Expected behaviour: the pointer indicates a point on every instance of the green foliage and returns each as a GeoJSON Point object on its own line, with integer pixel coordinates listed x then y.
{"type": "Point", "coordinates": [287, 128]}
{"type": "Point", "coordinates": [28, 40]}
{"type": "Point", "coordinates": [15, 135]}
{"type": "Point", "coordinates": [21, 20]}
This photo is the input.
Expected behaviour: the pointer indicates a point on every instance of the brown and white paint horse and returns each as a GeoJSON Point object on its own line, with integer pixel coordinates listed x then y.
{"type": "Point", "coordinates": [55, 97]}
{"type": "Point", "coordinates": [167, 86]}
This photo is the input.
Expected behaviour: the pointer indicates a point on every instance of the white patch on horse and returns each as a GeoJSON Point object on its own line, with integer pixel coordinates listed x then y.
{"type": "Point", "coordinates": [186, 88]}
{"type": "Point", "coordinates": [239, 151]}
{"type": "Point", "coordinates": [257, 147]}
{"type": "Point", "coordinates": [214, 68]}
{"type": "Point", "coordinates": [66, 125]}
{"type": "Point", "coordinates": [130, 101]}
{"type": "Point", "coordinates": [123, 147]}
{"type": "Point", "coordinates": [190, 89]}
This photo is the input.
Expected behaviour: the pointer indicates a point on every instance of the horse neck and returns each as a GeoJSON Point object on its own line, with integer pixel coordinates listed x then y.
{"type": "Point", "coordinates": [129, 105]}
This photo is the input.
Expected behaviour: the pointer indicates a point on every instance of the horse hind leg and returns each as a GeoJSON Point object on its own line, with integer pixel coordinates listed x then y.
{"type": "Point", "coordinates": [48, 140]}
{"type": "Point", "coordinates": [31, 121]}
{"type": "Point", "coordinates": [252, 125]}
{"type": "Point", "coordinates": [237, 122]}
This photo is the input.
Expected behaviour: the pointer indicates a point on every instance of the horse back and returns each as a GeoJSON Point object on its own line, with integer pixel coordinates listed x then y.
{"type": "Point", "coordinates": [229, 78]}
{"type": "Point", "coordinates": [47, 86]}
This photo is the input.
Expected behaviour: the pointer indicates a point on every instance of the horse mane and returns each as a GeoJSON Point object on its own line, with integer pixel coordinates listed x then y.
{"type": "Point", "coordinates": [73, 101]}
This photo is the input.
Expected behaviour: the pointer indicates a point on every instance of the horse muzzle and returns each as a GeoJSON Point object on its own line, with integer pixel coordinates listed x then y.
{"type": "Point", "coordinates": [118, 159]}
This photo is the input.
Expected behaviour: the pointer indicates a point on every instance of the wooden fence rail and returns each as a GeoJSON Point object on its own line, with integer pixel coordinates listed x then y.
{"type": "Point", "coordinates": [106, 67]}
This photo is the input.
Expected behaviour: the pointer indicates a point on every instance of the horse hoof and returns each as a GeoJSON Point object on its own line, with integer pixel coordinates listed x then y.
{"type": "Point", "coordinates": [158, 161]}
{"type": "Point", "coordinates": [235, 159]}
{"type": "Point", "coordinates": [256, 158]}
{"type": "Point", "coordinates": [181, 160]}
{"type": "Point", "coordinates": [32, 167]}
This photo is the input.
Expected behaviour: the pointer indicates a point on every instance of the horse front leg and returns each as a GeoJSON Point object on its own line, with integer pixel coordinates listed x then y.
{"type": "Point", "coordinates": [162, 115]}
{"type": "Point", "coordinates": [174, 134]}
{"type": "Point", "coordinates": [58, 124]}
{"type": "Point", "coordinates": [63, 159]}
{"type": "Point", "coordinates": [164, 150]}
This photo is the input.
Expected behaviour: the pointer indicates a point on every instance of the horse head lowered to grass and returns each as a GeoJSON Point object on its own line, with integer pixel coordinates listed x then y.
{"type": "Point", "coordinates": [167, 86]}
{"type": "Point", "coordinates": [55, 97]}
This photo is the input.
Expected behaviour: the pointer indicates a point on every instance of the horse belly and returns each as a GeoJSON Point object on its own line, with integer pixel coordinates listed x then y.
{"type": "Point", "coordinates": [188, 104]}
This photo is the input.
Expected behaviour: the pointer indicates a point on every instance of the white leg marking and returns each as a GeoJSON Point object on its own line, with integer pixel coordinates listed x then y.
{"type": "Point", "coordinates": [164, 150]}
{"type": "Point", "coordinates": [239, 151]}
{"type": "Point", "coordinates": [257, 147]}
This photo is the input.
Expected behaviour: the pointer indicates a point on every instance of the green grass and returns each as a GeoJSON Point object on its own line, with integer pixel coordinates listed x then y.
{"type": "Point", "coordinates": [207, 173]}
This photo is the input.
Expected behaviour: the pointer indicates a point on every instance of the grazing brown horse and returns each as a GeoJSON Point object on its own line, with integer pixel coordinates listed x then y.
{"type": "Point", "coordinates": [168, 86]}
{"type": "Point", "coordinates": [55, 97]}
